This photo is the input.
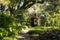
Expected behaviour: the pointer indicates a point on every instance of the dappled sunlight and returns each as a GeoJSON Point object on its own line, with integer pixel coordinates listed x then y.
{"type": "Point", "coordinates": [5, 2]}
{"type": "Point", "coordinates": [29, 19]}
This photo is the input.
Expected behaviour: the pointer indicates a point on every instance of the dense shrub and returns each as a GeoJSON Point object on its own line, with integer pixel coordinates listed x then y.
{"type": "Point", "coordinates": [7, 25]}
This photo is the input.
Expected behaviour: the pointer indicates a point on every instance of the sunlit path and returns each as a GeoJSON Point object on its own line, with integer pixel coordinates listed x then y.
{"type": "Point", "coordinates": [23, 34]}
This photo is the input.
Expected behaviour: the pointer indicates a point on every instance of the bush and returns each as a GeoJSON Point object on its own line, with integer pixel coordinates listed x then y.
{"type": "Point", "coordinates": [7, 25]}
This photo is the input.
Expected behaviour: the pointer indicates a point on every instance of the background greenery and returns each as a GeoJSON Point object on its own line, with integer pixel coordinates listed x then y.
{"type": "Point", "coordinates": [14, 17]}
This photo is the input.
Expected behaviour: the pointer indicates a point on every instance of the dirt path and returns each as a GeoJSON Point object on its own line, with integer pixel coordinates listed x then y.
{"type": "Point", "coordinates": [23, 35]}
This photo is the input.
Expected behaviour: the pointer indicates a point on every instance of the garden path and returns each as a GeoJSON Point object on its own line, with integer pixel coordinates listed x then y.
{"type": "Point", "coordinates": [23, 34]}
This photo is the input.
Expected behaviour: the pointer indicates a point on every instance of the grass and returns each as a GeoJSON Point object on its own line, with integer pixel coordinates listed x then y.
{"type": "Point", "coordinates": [8, 38]}
{"type": "Point", "coordinates": [40, 29]}
{"type": "Point", "coordinates": [44, 28]}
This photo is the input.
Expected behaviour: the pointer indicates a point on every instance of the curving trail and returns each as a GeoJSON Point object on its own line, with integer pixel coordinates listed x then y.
{"type": "Point", "coordinates": [23, 35]}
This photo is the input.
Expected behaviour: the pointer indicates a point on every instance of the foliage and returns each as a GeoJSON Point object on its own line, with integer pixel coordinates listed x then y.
{"type": "Point", "coordinates": [53, 17]}
{"type": "Point", "coordinates": [5, 2]}
{"type": "Point", "coordinates": [51, 10]}
{"type": "Point", "coordinates": [22, 17]}
{"type": "Point", "coordinates": [4, 17]}
{"type": "Point", "coordinates": [7, 25]}
{"type": "Point", "coordinates": [14, 18]}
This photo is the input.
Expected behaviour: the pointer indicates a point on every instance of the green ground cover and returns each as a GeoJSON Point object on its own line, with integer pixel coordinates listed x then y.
{"type": "Point", "coordinates": [45, 33]}
{"type": "Point", "coordinates": [41, 29]}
